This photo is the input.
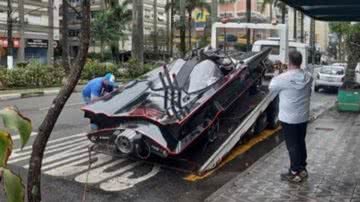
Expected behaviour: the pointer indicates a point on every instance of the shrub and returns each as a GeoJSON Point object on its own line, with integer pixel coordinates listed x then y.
{"type": "Point", "coordinates": [94, 69]}
{"type": "Point", "coordinates": [134, 70]}
{"type": "Point", "coordinates": [32, 75]}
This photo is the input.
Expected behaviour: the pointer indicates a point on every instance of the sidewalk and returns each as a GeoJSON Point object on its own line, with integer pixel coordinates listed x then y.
{"type": "Point", "coordinates": [24, 93]}
{"type": "Point", "coordinates": [333, 164]}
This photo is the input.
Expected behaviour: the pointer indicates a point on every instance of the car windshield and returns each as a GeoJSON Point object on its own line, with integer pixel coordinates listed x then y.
{"type": "Point", "coordinates": [332, 70]}
{"type": "Point", "coordinates": [203, 75]}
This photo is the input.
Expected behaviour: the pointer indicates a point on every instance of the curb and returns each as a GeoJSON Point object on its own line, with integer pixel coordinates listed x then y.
{"type": "Point", "coordinates": [14, 96]}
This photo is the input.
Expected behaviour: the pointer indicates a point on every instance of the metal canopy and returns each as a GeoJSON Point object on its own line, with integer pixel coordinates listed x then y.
{"type": "Point", "coordinates": [328, 10]}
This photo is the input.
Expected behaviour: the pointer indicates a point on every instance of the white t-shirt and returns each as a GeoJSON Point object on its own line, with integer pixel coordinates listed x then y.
{"type": "Point", "coordinates": [294, 89]}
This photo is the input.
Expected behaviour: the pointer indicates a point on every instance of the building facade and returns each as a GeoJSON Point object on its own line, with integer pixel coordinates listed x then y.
{"type": "Point", "coordinates": [34, 30]}
{"type": "Point", "coordinates": [125, 43]}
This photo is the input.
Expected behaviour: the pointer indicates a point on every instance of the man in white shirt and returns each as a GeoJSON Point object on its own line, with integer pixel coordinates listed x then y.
{"type": "Point", "coordinates": [294, 89]}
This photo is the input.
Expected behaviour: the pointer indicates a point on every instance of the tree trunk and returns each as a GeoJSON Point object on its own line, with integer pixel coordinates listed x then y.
{"type": "Point", "coordinates": [155, 42]}
{"type": "Point", "coordinates": [114, 46]}
{"type": "Point", "coordinates": [167, 30]}
{"type": "Point", "coordinates": [295, 25]}
{"type": "Point", "coordinates": [302, 38]}
{"type": "Point", "coordinates": [353, 46]}
{"type": "Point", "coordinates": [172, 29]}
{"type": "Point", "coordinates": [9, 35]}
{"type": "Point", "coordinates": [46, 127]}
{"type": "Point", "coordinates": [182, 28]}
{"type": "Point", "coordinates": [65, 38]}
{"type": "Point", "coordinates": [21, 50]}
{"type": "Point", "coordinates": [271, 13]}
{"type": "Point", "coordinates": [248, 19]}
{"type": "Point", "coordinates": [214, 9]}
{"type": "Point", "coordinates": [50, 53]}
{"type": "Point", "coordinates": [190, 29]}
{"type": "Point", "coordinates": [138, 31]}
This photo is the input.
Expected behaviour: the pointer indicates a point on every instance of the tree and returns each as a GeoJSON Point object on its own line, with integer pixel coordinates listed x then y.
{"type": "Point", "coordinates": [189, 6]}
{"type": "Point", "coordinates": [138, 31]}
{"type": "Point", "coordinates": [109, 26]}
{"type": "Point", "coordinates": [47, 125]}
{"type": "Point", "coordinates": [341, 29]}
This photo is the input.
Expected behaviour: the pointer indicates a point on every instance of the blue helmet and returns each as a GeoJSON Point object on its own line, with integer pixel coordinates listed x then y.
{"type": "Point", "coordinates": [110, 78]}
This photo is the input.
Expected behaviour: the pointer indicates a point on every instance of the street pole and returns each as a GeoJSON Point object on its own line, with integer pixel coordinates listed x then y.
{"type": "Point", "coordinates": [167, 29]}
{"type": "Point", "coordinates": [248, 19]}
{"type": "Point", "coordinates": [138, 31]}
{"type": "Point", "coordinates": [21, 53]}
{"type": "Point", "coordinates": [10, 59]}
{"type": "Point", "coordinates": [302, 38]}
{"type": "Point", "coordinates": [50, 54]}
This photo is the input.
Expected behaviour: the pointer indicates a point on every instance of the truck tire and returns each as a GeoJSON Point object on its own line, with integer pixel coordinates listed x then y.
{"type": "Point", "coordinates": [317, 88]}
{"type": "Point", "coordinates": [272, 114]}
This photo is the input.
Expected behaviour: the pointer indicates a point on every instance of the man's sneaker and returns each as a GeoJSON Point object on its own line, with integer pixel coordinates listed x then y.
{"type": "Point", "coordinates": [291, 177]}
{"type": "Point", "coordinates": [304, 174]}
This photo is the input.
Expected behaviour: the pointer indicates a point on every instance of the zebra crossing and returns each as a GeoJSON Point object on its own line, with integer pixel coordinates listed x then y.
{"type": "Point", "coordinates": [68, 157]}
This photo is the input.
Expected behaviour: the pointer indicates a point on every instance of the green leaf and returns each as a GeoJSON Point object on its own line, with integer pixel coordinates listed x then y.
{"type": "Point", "coordinates": [5, 147]}
{"type": "Point", "coordinates": [15, 121]}
{"type": "Point", "coordinates": [13, 186]}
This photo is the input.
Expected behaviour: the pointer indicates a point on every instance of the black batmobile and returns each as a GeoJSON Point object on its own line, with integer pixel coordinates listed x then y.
{"type": "Point", "coordinates": [169, 108]}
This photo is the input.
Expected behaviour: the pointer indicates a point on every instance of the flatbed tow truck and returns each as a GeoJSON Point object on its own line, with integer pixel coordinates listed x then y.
{"type": "Point", "coordinates": [247, 117]}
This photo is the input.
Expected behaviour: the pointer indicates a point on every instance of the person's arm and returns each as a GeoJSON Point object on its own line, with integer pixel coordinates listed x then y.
{"type": "Point", "coordinates": [275, 85]}
{"type": "Point", "coordinates": [96, 93]}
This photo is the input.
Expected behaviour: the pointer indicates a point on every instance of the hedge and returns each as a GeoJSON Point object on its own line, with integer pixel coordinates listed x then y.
{"type": "Point", "coordinates": [35, 75]}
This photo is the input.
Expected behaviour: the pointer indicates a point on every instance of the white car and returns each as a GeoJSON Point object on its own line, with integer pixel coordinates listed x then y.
{"type": "Point", "coordinates": [328, 77]}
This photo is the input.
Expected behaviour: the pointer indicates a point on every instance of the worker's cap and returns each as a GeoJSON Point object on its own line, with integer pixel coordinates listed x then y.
{"type": "Point", "coordinates": [110, 78]}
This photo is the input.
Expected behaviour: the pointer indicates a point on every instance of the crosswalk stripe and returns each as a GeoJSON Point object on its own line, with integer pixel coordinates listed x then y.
{"type": "Point", "coordinates": [16, 157]}
{"type": "Point", "coordinates": [17, 137]}
{"type": "Point", "coordinates": [98, 175]}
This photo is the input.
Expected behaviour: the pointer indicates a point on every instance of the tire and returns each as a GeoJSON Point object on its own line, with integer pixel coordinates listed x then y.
{"type": "Point", "coordinates": [317, 88]}
{"type": "Point", "coordinates": [272, 114]}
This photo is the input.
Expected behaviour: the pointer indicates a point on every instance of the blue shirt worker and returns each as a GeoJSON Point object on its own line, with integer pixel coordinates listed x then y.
{"type": "Point", "coordinates": [98, 87]}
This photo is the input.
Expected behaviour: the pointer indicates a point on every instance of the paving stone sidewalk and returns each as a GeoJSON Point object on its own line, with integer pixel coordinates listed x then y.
{"type": "Point", "coordinates": [333, 143]}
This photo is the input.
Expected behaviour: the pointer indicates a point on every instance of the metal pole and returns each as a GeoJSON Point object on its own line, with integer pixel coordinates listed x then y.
{"type": "Point", "coordinates": [248, 19]}
{"type": "Point", "coordinates": [155, 28]}
{"type": "Point", "coordinates": [302, 38]}
{"type": "Point", "coordinates": [21, 53]}
{"type": "Point", "coordinates": [50, 54]}
{"type": "Point", "coordinates": [10, 61]}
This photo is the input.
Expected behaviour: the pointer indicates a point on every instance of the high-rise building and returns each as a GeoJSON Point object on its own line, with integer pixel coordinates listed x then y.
{"type": "Point", "coordinates": [125, 43]}
{"type": "Point", "coordinates": [34, 30]}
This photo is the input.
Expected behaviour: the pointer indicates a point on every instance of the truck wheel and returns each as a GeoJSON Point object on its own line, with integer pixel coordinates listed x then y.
{"type": "Point", "coordinates": [317, 88]}
{"type": "Point", "coordinates": [260, 124]}
{"type": "Point", "coordinates": [272, 114]}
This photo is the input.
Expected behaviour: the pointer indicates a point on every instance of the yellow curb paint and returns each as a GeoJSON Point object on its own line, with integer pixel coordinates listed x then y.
{"type": "Point", "coordinates": [237, 151]}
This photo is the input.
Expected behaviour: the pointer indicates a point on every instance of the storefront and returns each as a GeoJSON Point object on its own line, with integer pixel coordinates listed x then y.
{"type": "Point", "coordinates": [3, 49]}
{"type": "Point", "coordinates": [36, 49]}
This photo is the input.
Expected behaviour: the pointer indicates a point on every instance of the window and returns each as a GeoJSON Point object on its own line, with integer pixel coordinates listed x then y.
{"type": "Point", "coordinates": [332, 70]}
{"type": "Point", "coordinates": [275, 50]}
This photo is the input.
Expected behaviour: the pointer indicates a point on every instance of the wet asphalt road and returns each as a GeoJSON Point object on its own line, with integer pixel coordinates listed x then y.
{"type": "Point", "coordinates": [111, 179]}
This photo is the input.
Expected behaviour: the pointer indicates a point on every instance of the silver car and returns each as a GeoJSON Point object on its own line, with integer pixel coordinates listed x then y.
{"type": "Point", "coordinates": [330, 77]}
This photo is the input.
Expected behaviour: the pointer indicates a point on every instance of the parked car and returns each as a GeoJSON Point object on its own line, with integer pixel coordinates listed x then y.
{"type": "Point", "coordinates": [330, 77]}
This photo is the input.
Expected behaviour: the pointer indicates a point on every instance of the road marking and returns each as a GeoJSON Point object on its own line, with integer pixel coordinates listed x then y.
{"type": "Point", "coordinates": [17, 137]}
{"type": "Point", "coordinates": [68, 156]}
{"type": "Point", "coordinates": [68, 105]}
{"type": "Point", "coordinates": [125, 181]}
{"type": "Point", "coordinates": [99, 174]}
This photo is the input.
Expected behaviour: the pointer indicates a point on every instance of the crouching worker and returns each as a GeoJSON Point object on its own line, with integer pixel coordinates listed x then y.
{"type": "Point", "coordinates": [95, 89]}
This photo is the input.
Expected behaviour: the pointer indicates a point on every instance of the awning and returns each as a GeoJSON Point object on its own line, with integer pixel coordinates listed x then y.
{"type": "Point", "coordinates": [328, 10]}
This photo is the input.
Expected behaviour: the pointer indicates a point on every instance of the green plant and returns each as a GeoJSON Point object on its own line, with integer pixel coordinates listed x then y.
{"type": "Point", "coordinates": [95, 69]}
{"type": "Point", "coordinates": [13, 120]}
{"type": "Point", "coordinates": [134, 69]}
